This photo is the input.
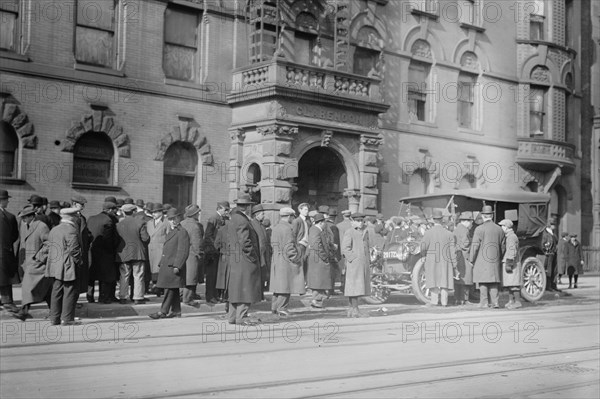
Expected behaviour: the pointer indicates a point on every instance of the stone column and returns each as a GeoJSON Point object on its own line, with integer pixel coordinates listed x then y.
{"type": "Point", "coordinates": [236, 159]}
{"type": "Point", "coordinates": [353, 196]}
{"type": "Point", "coordinates": [367, 163]}
{"type": "Point", "coordinates": [595, 241]}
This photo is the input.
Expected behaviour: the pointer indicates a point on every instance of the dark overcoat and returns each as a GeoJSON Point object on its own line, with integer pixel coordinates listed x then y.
{"type": "Point", "coordinates": [213, 224]}
{"type": "Point", "coordinates": [342, 227]}
{"type": "Point", "coordinates": [462, 237]}
{"type": "Point", "coordinates": [299, 228]}
{"type": "Point", "coordinates": [440, 257]}
{"type": "Point", "coordinates": [105, 241]}
{"type": "Point", "coordinates": [175, 253]}
{"type": "Point", "coordinates": [319, 259]}
{"type": "Point", "coordinates": [549, 246]}
{"type": "Point", "coordinates": [54, 219]}
{"type": "Point", "coordinates": [287, 275]}
{"type": "Point", "coordinates": [355, 248]}
{"type": "Point", "coordinates": [561, 256]}
{"type": "Point", "coordinates": [221, 243]}
{"type": "Point", "coordinates": [512, 279]}
{"type": "Point", "coordinates": [264, 248]}
{"type": "Point", "coordinates": [133, 236]}
{"type": "Point", "coordinates": [192, 265]}
{"type": "Point", "coordinates": [35, 284]}
{"type": "Point", "coordinates": [244, 285]}
{"type": "Point", "coordinates": [9, 234]}
{"type": "Point", "coordinates": [574, 257]}
{"type": "Point", "coordinates": [85, 238]}
{"type": "Point", "coordinates": [157, 234]}
{"type": "Point", "coordinates": [487, 251]}
{"type": "Point", "coordinates": [64, 252]}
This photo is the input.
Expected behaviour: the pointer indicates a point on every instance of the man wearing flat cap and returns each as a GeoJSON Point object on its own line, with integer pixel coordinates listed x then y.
{"type": "Point", "coordinates": [287, 276]}
{"type": "Point", "coordinates": [336, 272]}
{"type": "Point", "coordinates": [172, 274]}
{"type": "Point", "coordinates": [356, 250]}
{"type": "Point", "coordinates": [131, 254]}
{"type": "Point", "coordinates": [85, 238]}
{"type": "Point", "coordinates": [244, 285]}
{"type": "Point", "coordinates": [379, 225]}
{"type": "Point", "coordinates": [511, 267]}
{"type": "Point", "coordinates": [195, 232]}
{"type": "Point", "coordinates": [258, 215]}
{"type": "Point", "coordinates": [103, 251]}
{"type": "Point", "coordinates": [462, 237]}
{"type": "Point", "coordinates": [63, 262]}
{"type": "Point", "coordinates": [487, 252]}
{"type": "Point", "coordinates": [211, 255]}
{"type": "Point", "coordinates": [9, 234]}
{"type": "Point", "coordinates": [440, 260]}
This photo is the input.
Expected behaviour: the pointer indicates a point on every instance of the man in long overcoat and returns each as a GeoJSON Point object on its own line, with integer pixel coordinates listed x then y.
{"type": "Point", "coordinates": [440, 260]}
{"type": "Point", "coordinates": [131, 254]}
{"type": "Point", "coordinates": [334, 238]}
{"type": "Point", "coordinates": [85, 238]}
{"type": "Point", "coordinates": [462, 237]}
{"type": "Point", "coordinates": [157, 230]}
{"type": "Point", "coordinates": [487, 251]}
{"type": "Point", "coordinates": [549, 246]}
{"type": "Point", "coordinates": [244, 285]}
{"type": "Point", "coordinates": [320, 254]}
{"type": "Point", "coordinates": [222, 246]}
{"type": "Point", "coordinates": [511, 267]}
{"type": "Point", "coordinates": [300, 228]}
{"type": "Point", "coordinates": [287, 276]}
{"type": "Point", "coordinates": [264, 244]}
{"type": "Point", "coordinates": [343, 226]}
{"type": "Point", "coordinates": [172, 272]}
{"type": "Point", "coordinates": [574, 259]}
{"type": "Point", "coordinates": [105, 240]}
{"type": "Point", "coordinates": [561, 255]}
{"type": "Point", "coordinates": [192, 265]}
{"type": "Point", "coordinates": [64, 261]}
{"type": "Point", "coordinates": [35, 287]}
{"type": "Point", "coordinates": [211, 256]}
{"type": "Point", "coordinates": [356, 250]}
{"type": "Point", "coordinates": [9, 234]}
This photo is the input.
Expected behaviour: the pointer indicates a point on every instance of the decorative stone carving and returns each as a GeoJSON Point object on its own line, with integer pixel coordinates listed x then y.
{"type": "Point", "coordinates": [421, 48]}
{"type": "Point", "coordinates": [469, 60]}
{"type": "Point", "coordinates": [326, 136]}
{"type": "Point", "coordinates": [371, 141]}
{"type": "Point", "coordinates": [540, 74]}
{"type": "Point", "coordinates": [237, 135]}
{"type": "Point", "coordinates": [276, 110]}
{"type": "Point", "coordinates": [278, 130]}
{"type": "Point", "coordinates": [100, 120]}
{"type": "Point", "coordinates": [188, 131]}
{"type": "Point", "coordinates": [14, 116]}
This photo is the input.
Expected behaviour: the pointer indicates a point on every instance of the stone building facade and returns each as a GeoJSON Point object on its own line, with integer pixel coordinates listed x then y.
{"type": "Point", "coordinates": [349, 103]}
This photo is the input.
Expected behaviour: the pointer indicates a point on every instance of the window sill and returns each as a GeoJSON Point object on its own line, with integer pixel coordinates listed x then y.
{"type": "Point", "coordinates": [96, 69]}
{"type": "Point", "coordinates": [476, 28]}
{"type": "Point", "coordinates": [183, 83]}
{"type": "Point", "coordinates": [95, 186]}
{"type": "Point", "coordinates": [427, 14]}
{"type": "Point", "coordinates": [12, 181]}
{"type": "Point", "coordinates": [423, 123]}
{"type": "Point", "coordinates": [13, 56]}
{"type": "Point", "coordinates": [470, 131]}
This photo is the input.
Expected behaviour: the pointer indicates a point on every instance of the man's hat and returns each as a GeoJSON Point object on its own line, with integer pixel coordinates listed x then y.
{"type": "Point", "coordinates": [357, 216]}
{"type": "Point", "coordinates": [120, 202]}
{"type": "Point", "coordinates": [287, 212]}
{"type": "Point", "coordinates": [244, 199]}
{"type": "Point", "coordinates": [257, 208]}
{"type": "Point", "coordinates": [4, 195]}
{"type": "Point", "coordinates": [28, 209]}
{"type": "Point", "coordinates": [506, 222]}
{"type": "Point", "coordinates": [323, 209]}
{"type": "Point", "coordinates": [140, 203]}
{"type": "Point", "coordinates": [467, 215]}
{"type": "Point", "coordinates": [332, 212]}
{"type": "Point", "coordinates": [156, 207]}
{"type": "Point", "coordinates": [128, 208]}
{"type": "Point", "coordinates": [148, 206]}
{"type": "Point", "coordinates": [191, 210]}
{"type": "Point", "coordinates": [312, 213]}
{"type": "Point", "coordinates": [319, 217]}
{"type": "Point", "coordinates": [573, 235]}
{"type": "Point", "coordinates": [110, 199]}
{"type": "Point", "coordinates": [346, 212]}
{"type": "Point", "coordinates": [487, 210]}
{"type": "Point", "coordinates": [65, 204]}
{"type": "Point", "coordinates": [223, 204]}
{"type": "Point", "coordinates": [69, 212]}
{"type": "Point", "coordinates": [380, 216]}
{"type": "Point", "coordinates": [173, 212]}
{"type": "Point", "coordinates": [54, 204]}
{"type": "Point", "coordinates": [129, 200]}
{"type": "Point", "coordinates": [79, 199]}
{"type": "Point", "coordinates": [44, 201]}
{"type": "Point", "coordinates": [437, 214]}
{"type": "Point", "coordinates": [35, 200]}
{"type": "Point", "coordinates": [108, 205]}
{"type": "Point", "coordinates": [564, 234]}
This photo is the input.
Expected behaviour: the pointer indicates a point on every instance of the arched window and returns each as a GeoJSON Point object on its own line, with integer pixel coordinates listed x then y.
{"type": "Point", "coordinates": [9, 149]}
{"type": "Point", "coordinates": [180, 165]}
{"type": "Point", "coordinates": [367, 52]}
{"type": "Point", "coordinates": [93, 159]}
{"type": "Point", "coordinates": [419, 182]}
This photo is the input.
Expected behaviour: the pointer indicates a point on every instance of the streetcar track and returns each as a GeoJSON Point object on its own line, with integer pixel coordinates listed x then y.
{"type": "Point", "coordinates": [364, 374]}
{"type": "Point", "coordinates": [548, 390]}
{"type": "Point", "coordinates": [303, 347]}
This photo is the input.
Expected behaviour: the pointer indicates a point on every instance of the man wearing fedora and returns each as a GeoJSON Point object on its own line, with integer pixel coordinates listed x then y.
{"type": "Point", "coordinates": [38, 204]}
{"type": "Point", "coordinates": [487, 251]}
{"type": "Point", "coordinates": [9, 234]}
{"type": "Point", "coordinates": [440, 260]}
{"type": "Point", "coordinates": [36, 287]}
{"type": "Point", "coordinates": [172, 273]}
{"type": "Point", "coordinates": [462, 237]}
{"type": "Point", "coordinates": [211, 256]}
{"type": "Point", "coordinates": [244, 285]}
{"type": "Point", "coordinates": [300, 228]}
{"type": "Point", "coordinates": [264, 245]}
{"type": "Point", "coordinates": [131, 254]}
{"type": "Point", "coordinates": [192, 266]}
{"type": "Point", "coordinates": [343, 226]}
{"type": "Point", "coordinates": [103, 250]}
{"type": "Point", "coordinates": [64, 261]}
{"type": "Point", "coordinates": [574, 260]}
{"type": "Point", "coordinates": [320, 254]}
{"type": "Point", "coordinates": [356, 249]}
{"type": "Point", "coordinates": [511, 267]}
{"type": "Point", "coordinates": [85, 238]}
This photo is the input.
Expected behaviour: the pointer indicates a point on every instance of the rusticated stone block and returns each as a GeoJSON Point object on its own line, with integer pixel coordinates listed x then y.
{"type": "Point", "coordinates": [10, 111]}
{"type": "Point", "coordinates": [370, 180]}
{"type": "Point", "coordinates": [75, 131]}
{"type": "Point", "coordinates": [207, 159]}
{"type": "Point", "coordinates": [68, 146]}
{"type": "Point", "coordinates": [107, 124]}
{"type": "Point", "coordinates": [125, 152]}
{"type": "Point", "coordinates": [268, 148]}
{"type": "Point", "coordinates": [29, 141]}
{"type": "Point", "coordinates": [88, 123]}
{"type": "Point", "coordinates": [284, 148]}
{"type": "Point", "coordinates": [19, 121]}
{"type": "Point", "coordinates": [370, 159]}
{"type": "Point", "coordinates": [25, 130]}
{"type": "Point", "coordinates": [176, 133]}
{"type": "Point", "coordinates": [115, 132]}
{"type": "Point", "coordinates": [282, 195]}
{"type": "Point", "coordinates": [290, 169]}
{"type": "Point", "coordinates": [97, 115]}
{"type": "Point", "coordinates": [121, 140]}
{"type": "Point", "coordinates": [369, 201]}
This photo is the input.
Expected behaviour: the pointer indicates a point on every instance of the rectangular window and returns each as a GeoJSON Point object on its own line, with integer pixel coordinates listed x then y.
{"type": "Point", "coordinates": [181, 44]}
{"type": "Point", "coordinates": [467, 12]}
{"type": "Point", "coordinates": [95, 33]}
{"type": "Point", "coordinates": [466, 100]}
{"type": "Point", "coordinates": [365, 61]}
{"type": "Point", "coordinates": [9, 25]}
{"type": "Point", "coordinates": [536, 20]}
{"type": "Point", "coordinates": [537, 111]}
{"type": "Point", "coordinates": [417, 90]}
{"type": "Point", "coordinates": [303, 48]}
{"type": "Point", "coordinates": [569, 23]}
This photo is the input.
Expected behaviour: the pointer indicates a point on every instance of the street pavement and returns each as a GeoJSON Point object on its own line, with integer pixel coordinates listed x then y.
{"type": "Point", "coordinates": [402, 349]}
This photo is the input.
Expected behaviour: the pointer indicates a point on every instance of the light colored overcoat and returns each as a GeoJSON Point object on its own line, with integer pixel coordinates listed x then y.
{"type": "Point", "coordinates": [487, 251]}
{"type": "Point", "coordinates": [440, 257]}
{"type": "Point", "coordinates": [355, 248]}
{"type": "Point", "coordinates": [158, 234]}
{"type": "Point", "coordinates": [512, 279]}
{"type": "Point", "coordinates": [35, 284]}
{"type": "Point", "coordinates": [319, 259]}
{"type": "Point", "coordinates": [287, 276]}
{"type": "Point", "coordinates": [64, 254]}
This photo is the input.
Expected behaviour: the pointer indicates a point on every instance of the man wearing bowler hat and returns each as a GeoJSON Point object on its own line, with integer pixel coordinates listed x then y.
{"type": "Point", "coordinates": [487, 251]}
{"type": "Point", "coordinates": [192, 266]}
{"type": "Point", "coordinates": [9, 234]}
{"type": "Point", "coordinates": [172, 273]}
{"type": "Point", "coordinates": [463, 238]}
{"type": "Point", "coordinates": [38, 204]}
{"type": "Point", "coordinates": [264, 244]}
{"type": "Point", "coordinates": [244, 285]}
{"type": "Point", "coordinates": [211, 260]}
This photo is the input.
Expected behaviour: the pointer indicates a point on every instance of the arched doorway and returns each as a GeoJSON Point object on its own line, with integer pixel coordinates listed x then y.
{"type": "Point", "coordinates": [179, 176]}
{"type": "Point", "coordinates": [322, 179]}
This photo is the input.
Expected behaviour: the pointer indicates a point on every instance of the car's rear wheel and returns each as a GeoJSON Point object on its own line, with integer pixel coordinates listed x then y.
{"type": "Point", "coordinates": [534, 279]}
{"type": "Point", "coordinates": [418, 283]}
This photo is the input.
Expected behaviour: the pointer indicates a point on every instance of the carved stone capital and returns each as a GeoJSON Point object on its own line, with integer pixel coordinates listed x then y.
{"type": "Point", "coordinates": [371, 141]}
{"type": "Point", "coordinates": [278, 130]}
{"type": "Point", "coordinates": [237, 135]}
{"type": "Point", "coordinates": [326, 136]}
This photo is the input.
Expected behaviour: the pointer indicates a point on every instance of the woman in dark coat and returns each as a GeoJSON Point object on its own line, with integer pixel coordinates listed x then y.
{"type": "Point", "coordinates": [574, 259]}
{"type": "Point", "coordinates": [171, 273]}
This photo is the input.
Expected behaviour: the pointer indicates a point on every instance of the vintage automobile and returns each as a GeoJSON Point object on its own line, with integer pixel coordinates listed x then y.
{"type": "Point", "coordinates": [398, 264]}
